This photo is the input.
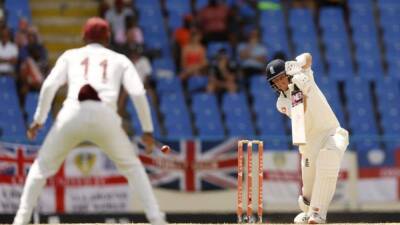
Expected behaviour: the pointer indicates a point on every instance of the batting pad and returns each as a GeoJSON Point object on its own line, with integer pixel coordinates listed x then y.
{"type": "Point", "coordinates": [327, 169]}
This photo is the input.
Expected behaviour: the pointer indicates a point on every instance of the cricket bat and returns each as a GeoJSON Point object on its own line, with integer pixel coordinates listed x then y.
{"type": "Point", "coordinates": [297, 114]}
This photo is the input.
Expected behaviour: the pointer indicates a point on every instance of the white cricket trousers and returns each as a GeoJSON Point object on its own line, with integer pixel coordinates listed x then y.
{"type": "Point", "coordinates": [320, 163]}
{"type": "Point", "coordinates": [87, 121]}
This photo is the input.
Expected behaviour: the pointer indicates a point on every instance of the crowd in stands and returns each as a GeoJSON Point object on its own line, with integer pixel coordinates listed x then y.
{"type": "Point", "coordinates": [202, 56]}
{"type": "Point", "coordinates": [215, 22]}
{"type": "Point", "coordinates": [22, 56]}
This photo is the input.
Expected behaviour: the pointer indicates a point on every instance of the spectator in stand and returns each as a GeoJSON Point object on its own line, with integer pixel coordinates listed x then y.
{"type": "Point", "coordinates": [235, 26]}
{"type": "Point", "coordinates": [182, 38]}
{"type": "Point", "coordinates": [194, 57]}
{"type": "Point", "coordinates": [222, 75]}
{"type": "Point", "coordinates": [213, 21]}
{"type": "Point", "coordinates": [2, 15]}
{"type": "Point", "coordinates": [134, 34]}
{"type": "Point", "coordinates": [21, 35]}
{"type": "Point", "coordinates": [182, 34]}
{"type": "Point", "coordinates": [133, 37]}
{"type": "Point", "coordinates": [32, 66]}
{"type": "Point", "coordinates": [253, 55]}
{"type": "Point", "coordinates": [116, 16]}
{"type": "Point", "coordinates": [142, 64]}
{"type": "Point", "coordinates": [8, 53]}
{"type": "Point", "coordinates": [37, 51]}
{"type": "Point", "coordinates": [103, 7]}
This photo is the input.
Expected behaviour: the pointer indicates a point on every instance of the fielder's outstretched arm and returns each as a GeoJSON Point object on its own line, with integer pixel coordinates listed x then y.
{"type": "Point", "coordinates": [134, 86]}
{"type": "Point", "coordinates": [56, 78]}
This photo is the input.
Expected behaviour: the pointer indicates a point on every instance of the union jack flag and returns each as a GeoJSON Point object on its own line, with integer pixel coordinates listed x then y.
{"type": "Point", "coordinates": [193, 165]}
{"type": "Point", "coordinates": [15, 161]}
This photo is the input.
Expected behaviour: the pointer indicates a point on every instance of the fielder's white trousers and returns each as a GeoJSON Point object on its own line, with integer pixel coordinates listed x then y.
{"type": "Point", "coordinates": [87, 121]}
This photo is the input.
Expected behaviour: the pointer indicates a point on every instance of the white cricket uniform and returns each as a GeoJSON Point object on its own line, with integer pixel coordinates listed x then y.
{"type": "Point", "coordinates": [324, 135]}
{"type": "Point", "coordinates": [94, 121]}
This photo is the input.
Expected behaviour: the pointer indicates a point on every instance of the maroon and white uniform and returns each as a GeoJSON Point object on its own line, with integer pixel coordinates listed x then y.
{"type": "Point", "coordinates": [95, 121]}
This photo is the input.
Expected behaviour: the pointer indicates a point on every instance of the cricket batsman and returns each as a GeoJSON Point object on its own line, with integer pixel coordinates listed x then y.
{"type": "Point", "coordinates": [94, 75]}
{"type": "Point", "coordinates": [322, 154]}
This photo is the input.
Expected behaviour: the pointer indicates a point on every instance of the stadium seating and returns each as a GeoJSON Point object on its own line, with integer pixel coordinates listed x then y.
{"type": "Point", "coordinates": [12, 125]}
{"type": "Point", "coordinates": [30, 107]}
{"type": "Point", "coordinates": [207, 116]}
{"type": "Point", "coordinates": [359, 51]}
{"type": "Point", "coordinates": [135, 122]}
{"type": "Point", "coordinates": [237, 115]}
{"type": "Point", "coordinates": [176, 115]}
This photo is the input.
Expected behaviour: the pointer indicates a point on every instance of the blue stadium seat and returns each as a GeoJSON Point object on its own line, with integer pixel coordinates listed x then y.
{"type": "Point", "coordinates": [176, 116]}
{"type": "Point", "coordinates": [276, 44]}
{"type": "Point", "coordinates": [237, 115]}
{"type": "Point", "coordinates": [331, 18]}
{"type": "Point", "coordinates": [391, 32]}
{"type": "Point", "coordinates": [387, 91]}
{"type": "Point", "coordinates": [260, 86]}
{"type": "Point", "coordinates": [164, 65]}
{"type": "Point", "coordinates": [357, 5]}
{"type": "Point", "coordinates": [298, 15]}
{"type": "Point", "coordinates": [264, 101]}
{"type": "Point", "coordinates": [207, 116]}
{"type": "Point", "coordinates": [148, 3]}
{"type": "Point", "coordinates": [15, 11]}
{"type": "Point", "coordinates": [210, 130]}
{"type": "Point", "coordinates": [276, 143]}
{"type": "Point", "coordinates": [201, 4]}
{"type": "Point", "coordinates": [170, 100]}
{"type": "Point", "coordinates": [197, 83]}
{"type": "Point", "coordinates": [169, 85]}
{"type": "Point", "coordinates": [367, 144]}
{"type": "Point", "coordinates": [388, 4]}
{"type": "Point", "coordinates": [362, 14]}
{"type": "Point", "coordinates": [270, 126]}
{"type": "Point", "coordinates": [178, 6]}
{"type": "Point", "coordinates": [135, 122]}
{"type": "Point", "coordinates": [361, 116]}
{"type": "Point", "coordinates": [203, 101]}
{"type": "Point", "coordinates": [7, 83]}
{"type": "Point", "coordinates": [370, 68]}
{"type": "Point", "coordinates": [12, 124]}
{"type": "Point", "coordinates": [178, 130]}
{"type": "Point", "coordinates": [394, 66]}
{"type": "Point", "coordinates": [337, 49]}
{"type": "Point", "coordinates": [272, 17]}
{"type": "Point", "coordinates": [175, 21]}
{"type": "Point", "coordinates": [340, 69]}
{"type": "Point", "coordinates": [274, 34]}
{"type": "Point", "coordinates": [240, 128]}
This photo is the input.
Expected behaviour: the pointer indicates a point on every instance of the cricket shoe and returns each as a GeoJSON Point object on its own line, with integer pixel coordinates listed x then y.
{"type": "Point", "coordinates": [315, 218]}
{"type": "Point", "coordinates": [301, 218]}
{"type": "Point", "coordinates": [158, 221]}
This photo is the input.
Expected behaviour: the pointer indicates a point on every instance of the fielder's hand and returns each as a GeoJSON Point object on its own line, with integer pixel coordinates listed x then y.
{"type": "Point", "coordinates": [148, 141]}
{"type": "Point", "coordinates": [33, 130]}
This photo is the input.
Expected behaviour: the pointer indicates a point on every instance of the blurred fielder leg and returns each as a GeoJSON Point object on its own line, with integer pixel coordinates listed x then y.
{"type": "Point", "coordinates": [63, 136]}
{"type": "Point", "coordinates": [111, 138]}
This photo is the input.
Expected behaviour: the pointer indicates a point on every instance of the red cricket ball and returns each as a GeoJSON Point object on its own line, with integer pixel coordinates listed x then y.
{"type": "Point", "coordinates": [165, 149]}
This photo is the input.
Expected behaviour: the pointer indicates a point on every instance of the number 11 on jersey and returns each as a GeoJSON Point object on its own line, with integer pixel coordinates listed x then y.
{"type": "Point", "coordinates": [85, 63]}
